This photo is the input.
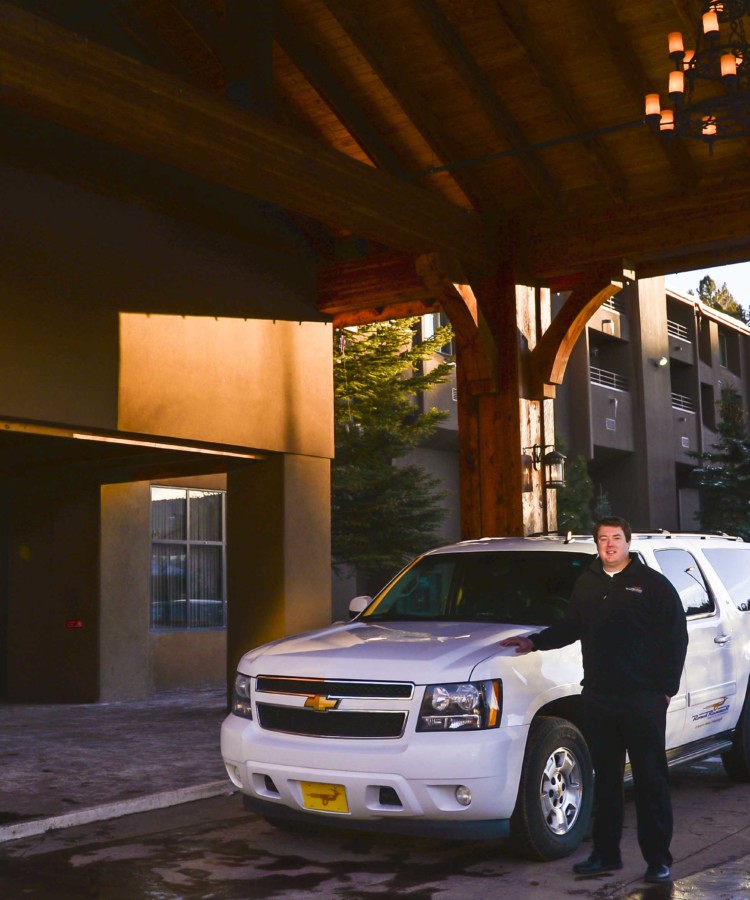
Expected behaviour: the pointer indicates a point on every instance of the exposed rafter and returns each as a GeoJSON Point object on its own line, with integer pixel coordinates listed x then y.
{"type": "Point", "coordinates": [507, 129]}
{"type": "Point", "coordinates": [517, 21]}
{"type": "Point", "coordinates": [380, 58]}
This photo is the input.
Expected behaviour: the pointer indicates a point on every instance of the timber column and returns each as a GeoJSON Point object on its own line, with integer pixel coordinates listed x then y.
{"type": "Point", "coordinates": [501, 412]}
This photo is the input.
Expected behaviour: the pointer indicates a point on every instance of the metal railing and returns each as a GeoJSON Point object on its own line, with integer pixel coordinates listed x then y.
{"type": "Point", "coordinates": [675, 329]}
{"type": "Point", "coordinates": [608, 379]}
{"type": "Point", "coordinates": [680, 401]}
{"type": "Point", "coordinates": [616, 303]}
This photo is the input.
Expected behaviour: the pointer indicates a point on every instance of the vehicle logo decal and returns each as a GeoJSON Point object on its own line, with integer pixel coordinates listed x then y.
{"type": "Point", "coordinates": [320, 703]}
{"type": "Point", "coordinates": [717, 708]}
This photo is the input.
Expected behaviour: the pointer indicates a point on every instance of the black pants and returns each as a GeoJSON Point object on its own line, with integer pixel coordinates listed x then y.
{"type": "Point", "coordinates": [635, 723]}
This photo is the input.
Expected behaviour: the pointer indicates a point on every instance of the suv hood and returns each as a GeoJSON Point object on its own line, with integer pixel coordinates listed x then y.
{"type": "Point", "coordinates": [419, 652]}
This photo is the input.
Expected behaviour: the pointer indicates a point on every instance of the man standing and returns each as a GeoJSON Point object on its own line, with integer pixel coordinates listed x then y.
{"type": "Point", "coordinates": [633, 633]}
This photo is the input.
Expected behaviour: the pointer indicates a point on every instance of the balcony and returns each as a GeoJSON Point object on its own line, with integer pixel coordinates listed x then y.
{"type": "Point", "coordinates": [611, 319]}
{"type": "Point", "coordinates": [605, 378]}
{"type": "Point", "coordinates": [680, 343]}
{"type": "Point", "coordinates": [680, 401]}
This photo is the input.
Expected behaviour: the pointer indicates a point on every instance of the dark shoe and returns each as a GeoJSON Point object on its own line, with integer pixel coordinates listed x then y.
{"type": "Point", "coordinates": [657, 873]}
{"type": "Point", "coordinates": [595, 865]}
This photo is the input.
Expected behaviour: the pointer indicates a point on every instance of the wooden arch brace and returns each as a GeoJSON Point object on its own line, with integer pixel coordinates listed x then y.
{"type": "Point", "coordinates": [549, 358]}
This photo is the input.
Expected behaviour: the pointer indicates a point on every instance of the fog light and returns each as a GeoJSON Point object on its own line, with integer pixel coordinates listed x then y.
{"type": "Point", "coordinates": [463, 795]}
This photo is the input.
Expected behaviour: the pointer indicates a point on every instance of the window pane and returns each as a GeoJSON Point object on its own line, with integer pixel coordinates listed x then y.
{"type": "Point", "coordinates": [168, 586]}
{"type": "Point", "coordinates": [205, 515]}
{"type": "Point", "coordinates": [168, 513]}
{"type": "Point", "coordinates": [733, 567]}
{"type": "Point", "coordinates": [206, 588]}
{"type": "Point", "coordinates": [682, 570]}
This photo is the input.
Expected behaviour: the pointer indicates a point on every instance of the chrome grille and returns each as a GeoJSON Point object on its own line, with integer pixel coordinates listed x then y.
{"type": "Point", "coordinates": [331, 687]}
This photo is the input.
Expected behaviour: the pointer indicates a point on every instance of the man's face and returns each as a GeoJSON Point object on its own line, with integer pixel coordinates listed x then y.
{"type": "Point", "coordinates": [613, 547]}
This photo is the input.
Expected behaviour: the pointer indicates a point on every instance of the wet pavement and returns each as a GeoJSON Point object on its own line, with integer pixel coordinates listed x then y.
{"type": "Point", "coordinates": [137, 764]}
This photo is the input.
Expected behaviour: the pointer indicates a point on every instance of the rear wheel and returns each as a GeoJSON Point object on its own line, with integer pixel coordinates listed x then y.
{"type": "Point", "coordinates": [737, 759]}
{"type": "Point", "coordinates": [555, 796]}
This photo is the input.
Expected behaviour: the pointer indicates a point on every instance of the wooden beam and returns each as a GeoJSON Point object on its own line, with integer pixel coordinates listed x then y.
{"type": "Point", "coordinates": [371, 283]}
{"type": "Point", "coordinates": [406, 310]}
{"type": "Point", "coordinates": [641, 231]}
{"type": "Point", "coordinates": [506, 127]}
{"type": "Point", "coordinates": [381, 59]}
{"type": "Point", "coordinates": [335, 95]}
{"type": "Point", "coordinates": [549, 358]}
{"type": "Point", "coordinates": [517, 21]}
{"type": "Point", "coordinates": [52, 73]}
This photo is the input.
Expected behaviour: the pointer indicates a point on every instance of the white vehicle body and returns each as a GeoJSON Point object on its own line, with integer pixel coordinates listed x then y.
{"type": "Point", "coordinates": [329, 727]}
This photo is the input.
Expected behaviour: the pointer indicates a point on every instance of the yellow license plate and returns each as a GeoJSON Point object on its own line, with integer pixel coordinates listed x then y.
{"type": "Point", "coordinates": [328, 797]}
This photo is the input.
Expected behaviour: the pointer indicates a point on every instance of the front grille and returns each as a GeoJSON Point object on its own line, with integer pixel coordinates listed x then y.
{"type": "Point", "coordinates": [333, 724]}
{"type": "Point", "coordinates": [330, 687]}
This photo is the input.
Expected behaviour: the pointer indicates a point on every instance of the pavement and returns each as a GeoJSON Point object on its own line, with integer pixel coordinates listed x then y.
{"type": "Point", "coordinates": [71, 765]}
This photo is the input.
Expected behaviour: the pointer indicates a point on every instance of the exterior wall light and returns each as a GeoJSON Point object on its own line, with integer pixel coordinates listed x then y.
{"type": "Point", "coordinates": [553, 461]}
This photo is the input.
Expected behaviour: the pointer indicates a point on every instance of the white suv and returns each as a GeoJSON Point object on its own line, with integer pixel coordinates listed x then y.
{"type": "Point", "coordinates": [412, 718]}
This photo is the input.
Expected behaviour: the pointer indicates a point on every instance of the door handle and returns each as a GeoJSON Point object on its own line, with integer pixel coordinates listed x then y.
{"type": "Point", "coordinates": [722, 638]}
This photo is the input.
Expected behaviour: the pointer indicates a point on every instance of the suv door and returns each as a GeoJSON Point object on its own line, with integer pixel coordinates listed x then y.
{"type": "Point", "coordinates": [710, 676]}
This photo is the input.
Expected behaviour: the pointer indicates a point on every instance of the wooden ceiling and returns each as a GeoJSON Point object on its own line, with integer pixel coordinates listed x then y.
{"type": "Point", "coordinates": [462, 127]}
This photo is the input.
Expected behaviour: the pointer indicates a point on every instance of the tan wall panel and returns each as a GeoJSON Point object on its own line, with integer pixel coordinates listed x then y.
{"type": "Point", "coordinates": [125, 590]}
{"type": "Point", "coordinates": [185, 659]}
{"type": "Point", "coordinates": [253, 383]}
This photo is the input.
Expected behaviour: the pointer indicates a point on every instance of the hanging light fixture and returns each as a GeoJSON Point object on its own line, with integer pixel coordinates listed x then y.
{"type": "Point", "coordinates": [710, 85]}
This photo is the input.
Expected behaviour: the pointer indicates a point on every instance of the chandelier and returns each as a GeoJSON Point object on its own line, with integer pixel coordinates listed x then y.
{"type": "Point", "coordinates": [710, 85]}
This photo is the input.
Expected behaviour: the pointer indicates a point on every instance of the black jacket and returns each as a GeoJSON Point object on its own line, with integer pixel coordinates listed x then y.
{"type": "Point", "coordinates": [631, 626]}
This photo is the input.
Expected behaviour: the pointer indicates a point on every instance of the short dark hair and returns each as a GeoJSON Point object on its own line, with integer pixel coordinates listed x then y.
{"type": "Point", "coordinates": [614, 522]}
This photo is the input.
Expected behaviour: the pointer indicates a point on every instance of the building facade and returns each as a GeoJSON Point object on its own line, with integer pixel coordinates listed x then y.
{"type": "Point", "coordinates": [640, 396]}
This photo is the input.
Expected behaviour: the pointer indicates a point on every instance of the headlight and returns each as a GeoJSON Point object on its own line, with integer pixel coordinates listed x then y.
{"type": "Point", "coordinates": [241, 701]}
{"type": "Point", "coordinates": [471, 705]}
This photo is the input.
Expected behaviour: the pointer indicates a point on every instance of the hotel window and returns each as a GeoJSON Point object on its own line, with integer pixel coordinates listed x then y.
{"type": "Point", "coordinates": [188, 553]}
{"type": "Point", "coordinates": [723, 351]}
{"type": "Point", "coordinates": [431, 322]}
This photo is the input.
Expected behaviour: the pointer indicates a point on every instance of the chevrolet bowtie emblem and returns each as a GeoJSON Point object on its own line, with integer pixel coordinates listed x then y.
{"type": "Point", "coordinates": [320, 703]}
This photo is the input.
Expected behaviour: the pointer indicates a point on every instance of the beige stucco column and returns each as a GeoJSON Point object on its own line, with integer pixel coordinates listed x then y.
{"type": "Point", "coordinates": [278, 551]}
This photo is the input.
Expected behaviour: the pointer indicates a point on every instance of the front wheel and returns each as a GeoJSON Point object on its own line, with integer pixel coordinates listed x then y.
{"type": "Point", "coordinates": [556, 792]}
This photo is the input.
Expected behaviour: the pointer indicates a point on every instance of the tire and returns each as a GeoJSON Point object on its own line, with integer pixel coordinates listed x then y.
{"type": "Point", "coordinates": [737, 760]}
{"type": "Point", "coordinates": [556, 792]}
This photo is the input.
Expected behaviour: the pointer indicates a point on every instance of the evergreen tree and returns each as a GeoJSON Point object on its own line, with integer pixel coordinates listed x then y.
{"type": "Point", "coordinates": [724, 474]}
{"type": "Point", "coordinates": [720, 298]}
{"type": "Point", "coordinates": [574, 500]}
{"type": "Point", "coordinates": [383, 514]}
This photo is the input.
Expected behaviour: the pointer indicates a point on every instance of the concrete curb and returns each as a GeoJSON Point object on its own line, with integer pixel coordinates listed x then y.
{"type": "Point", "coordinates": [115, 810]}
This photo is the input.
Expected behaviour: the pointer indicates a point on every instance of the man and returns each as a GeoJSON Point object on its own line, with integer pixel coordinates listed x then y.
{"type": "Point", "coordinates": [633, 634]}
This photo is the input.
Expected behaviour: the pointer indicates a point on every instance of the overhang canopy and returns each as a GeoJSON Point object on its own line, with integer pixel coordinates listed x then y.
{"type": "Point", "coordinates": [417, 125]}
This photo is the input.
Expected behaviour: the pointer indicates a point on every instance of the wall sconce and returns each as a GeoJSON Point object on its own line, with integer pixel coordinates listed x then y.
{"type": "Point", "coordinates": [660, 362]}
{"type": "Point", "coordinates": [553, 461]}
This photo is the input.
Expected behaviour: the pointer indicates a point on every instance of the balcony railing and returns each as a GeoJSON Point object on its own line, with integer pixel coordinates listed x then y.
{"type": "Point", "coordinates": [680, 401]}
{"type": "Point", "coordinates": [616, 303]}
{"type": "Point", "coordinates": [609, 379]}
{"type": "Point", "coordinates": [676, 330]}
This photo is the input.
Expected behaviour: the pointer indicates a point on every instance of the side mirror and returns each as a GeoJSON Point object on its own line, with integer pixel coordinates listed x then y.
{"type": "Point", "coordinates": [358, 605]}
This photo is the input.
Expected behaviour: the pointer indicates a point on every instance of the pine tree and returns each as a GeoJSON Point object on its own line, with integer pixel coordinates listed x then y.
{"type": "Point", "coordinates": [720, 298]}
{"type": "Point", "coordinates": [574, 500]}
{"type": "Point", "coordinates": [724, 474]}
{"type": "Point", "coordinates": [383, 514]}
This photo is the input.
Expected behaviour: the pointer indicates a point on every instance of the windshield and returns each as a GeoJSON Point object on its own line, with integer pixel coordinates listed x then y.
{"type": "Point", "coordinates": [515, 587]}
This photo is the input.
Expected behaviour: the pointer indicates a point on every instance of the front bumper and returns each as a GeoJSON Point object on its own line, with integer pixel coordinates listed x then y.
{"type": "Point", "coordinates": [417, 776]}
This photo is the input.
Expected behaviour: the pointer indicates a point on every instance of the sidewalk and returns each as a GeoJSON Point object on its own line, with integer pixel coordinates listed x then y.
{"type": "Point", "coordinates": [65, 765]}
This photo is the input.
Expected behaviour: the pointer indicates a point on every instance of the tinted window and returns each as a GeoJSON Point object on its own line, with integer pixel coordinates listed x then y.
{"type": "Point", "coordinates": [517, 587]}
{"type": "Point", "coordinates": [733, 567]}
{"type": "Point", "coordinates": [682, 570]}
